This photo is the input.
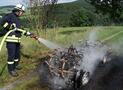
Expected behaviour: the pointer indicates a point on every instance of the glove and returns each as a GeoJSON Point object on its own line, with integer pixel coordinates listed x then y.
{"type": "Point", "coordinates": [28, 33]}
{"type": "Point", "coordinates": [13, 26]}
{"type": "Point", "coordinates": [32, 35]}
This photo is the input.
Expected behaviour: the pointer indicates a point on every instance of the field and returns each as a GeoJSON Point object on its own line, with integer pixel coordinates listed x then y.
{"type": "Point", "coordinates": [32, 51]}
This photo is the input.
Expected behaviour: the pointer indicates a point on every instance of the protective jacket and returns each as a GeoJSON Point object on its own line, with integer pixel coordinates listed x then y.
{"type": "Point", "coordinates": [8, 22]}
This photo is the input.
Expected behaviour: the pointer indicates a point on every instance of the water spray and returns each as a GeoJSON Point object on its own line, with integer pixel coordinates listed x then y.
{"type": "Point", "coordinates": [47, 43]}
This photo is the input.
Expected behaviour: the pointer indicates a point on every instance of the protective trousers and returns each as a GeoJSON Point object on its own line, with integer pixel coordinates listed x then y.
{"type": "Point", "coordinates": [13, 55]}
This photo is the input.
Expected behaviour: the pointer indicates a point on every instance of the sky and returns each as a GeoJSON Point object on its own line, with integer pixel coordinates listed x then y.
{"type": "Point", "coordinates": [14, 2]}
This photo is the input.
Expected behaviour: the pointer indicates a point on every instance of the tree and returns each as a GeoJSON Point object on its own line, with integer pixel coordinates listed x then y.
{"type": "Point", "coordinates": [41, 11]}
{"type": "Point", "coordinates": [81, 18]}
{"type": "Point", "coordinates": [111, 7]}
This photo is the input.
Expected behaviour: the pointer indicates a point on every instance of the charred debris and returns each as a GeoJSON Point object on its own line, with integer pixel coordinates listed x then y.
{"type": "Point", "coordinates": [79, 67]}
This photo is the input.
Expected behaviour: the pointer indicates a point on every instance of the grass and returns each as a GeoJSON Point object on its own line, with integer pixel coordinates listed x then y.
{"type": "Point", "coordinates": [32, 51]}
{"type": "Point", "coordinates": [107, 31]}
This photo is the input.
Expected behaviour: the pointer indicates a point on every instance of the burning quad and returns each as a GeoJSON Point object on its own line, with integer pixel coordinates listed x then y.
{"type": "Point", "coordinates": [69, 68]}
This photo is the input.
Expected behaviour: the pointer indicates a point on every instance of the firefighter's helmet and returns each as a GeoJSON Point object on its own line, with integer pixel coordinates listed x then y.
{"type": "Point", "coordinates": [20, 7]}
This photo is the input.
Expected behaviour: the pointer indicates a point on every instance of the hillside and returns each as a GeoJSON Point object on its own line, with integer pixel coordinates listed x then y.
{"type": "Point", "coordinates": [5, 9]}
{"type": "Point", "coordinates": [64, 11]}
{"type": "Point", "coordinates": [77, 13]}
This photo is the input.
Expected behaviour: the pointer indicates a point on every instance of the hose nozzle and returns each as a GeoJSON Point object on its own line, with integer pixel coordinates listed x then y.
{"type": "Point", "coordinates": [32, 35]}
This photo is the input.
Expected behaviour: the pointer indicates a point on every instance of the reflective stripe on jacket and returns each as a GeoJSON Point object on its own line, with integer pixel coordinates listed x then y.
{"type": "Point", "coordinates": [14, 38]}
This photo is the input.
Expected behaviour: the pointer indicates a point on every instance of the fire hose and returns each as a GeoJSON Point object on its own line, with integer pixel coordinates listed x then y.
{"type": "Point", "coordinates": [4, 38]}
{"type": "Point", "coordinates": [6, 35]}
{"type": "Point", "coordinates": [1, 45]}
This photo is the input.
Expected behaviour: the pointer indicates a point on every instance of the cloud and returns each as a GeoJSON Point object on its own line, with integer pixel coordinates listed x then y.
{"type": "Point", "coordinates": [9, 2]}
{"type": "Point", "coordinates": [63, 1]}
{"type": "Point", "coordinates": [14, 2]}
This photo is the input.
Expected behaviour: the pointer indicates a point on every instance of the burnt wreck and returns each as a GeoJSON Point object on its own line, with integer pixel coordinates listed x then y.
{"type": "Point", "coordinates": [87, 66]}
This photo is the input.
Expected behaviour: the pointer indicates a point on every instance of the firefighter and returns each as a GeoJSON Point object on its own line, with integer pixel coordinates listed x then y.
{"type": "Point", "coordinates": [11, 21]}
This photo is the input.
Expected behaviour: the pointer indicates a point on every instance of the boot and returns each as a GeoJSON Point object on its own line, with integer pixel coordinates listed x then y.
{"type": "Point", "coordinates": [18, 67]}
{"type": "Point", "coordinates": [13, 73]}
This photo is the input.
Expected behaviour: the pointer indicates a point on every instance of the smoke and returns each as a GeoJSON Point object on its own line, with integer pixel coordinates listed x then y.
{"type": "Point", "coordinates": [93, 52]}
{"type": "Point", "coordinates": [93, 35]}
{"type": "Point", "coordinates": [57, 83]}
{"type": "Point", "coordinates": [118, 47]}
{"type": "Point", "coordinates": [53, 82]}
{"type": "Point", "coordinates": [92, 56]}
